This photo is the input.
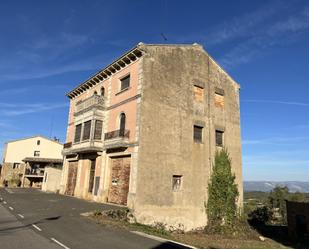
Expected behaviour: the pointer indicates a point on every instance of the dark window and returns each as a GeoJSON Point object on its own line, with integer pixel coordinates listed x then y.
{"type": "Point", "coordinates": [36, 153]}
{"type": "Point", "coordinates": [102, 91]}
{"type": "Point", "coordinates": [95, 93]}
{"type": "Point", "coordinates": [78, 132]}
{"type": "Point", "coordinates": [91, 175]}
{"type": "Point", "coordinates": [219, 138]}
{"type": "Point", "coordinates": [98, 129]}
{"type": "Point", "coordinates": [16, 165]}
{"type": "Point", "coordinates": [125, 83]}
{"type": "Point", "coordinates": [38, 142]}
{"type": "Point", "coordinates": [177, 181]}
{"type": "Point", "coordinates": [122, 125]}
{"type": "Point", "coordinates": [87, 129]}
{"type": "Point", "coordinates": [198, 134]}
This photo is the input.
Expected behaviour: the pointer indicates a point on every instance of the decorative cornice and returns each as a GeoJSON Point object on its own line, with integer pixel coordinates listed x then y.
{"type": "Point", "coordinates": [117, 65]}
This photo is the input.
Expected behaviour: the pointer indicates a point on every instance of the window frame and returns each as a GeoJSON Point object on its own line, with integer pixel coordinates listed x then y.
{"type": "Point", "coordinates": [221, 142]}
{"type": "Point", "coordinates": [36, 153]}
{"type": "Point", "coordinates": [121, 88]}
{"type": "Point", "coordinates": [80, 133]}
{"type": "Point", "coordinates": [177, 182]}
{"type": "Point", "coordinates": [198, 139]}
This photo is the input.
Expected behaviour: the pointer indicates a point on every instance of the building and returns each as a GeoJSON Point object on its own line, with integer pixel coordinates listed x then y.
{"type": "Point", "coordinates": [143, 132]}
{"type": "Point", "coordinates": [298, 219]}
{"type": "Point", "coordinates": [24, 160]}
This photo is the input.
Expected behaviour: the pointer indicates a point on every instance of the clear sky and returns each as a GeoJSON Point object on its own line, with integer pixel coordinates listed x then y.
{"type": "Point", "coordinates": [48, 47]}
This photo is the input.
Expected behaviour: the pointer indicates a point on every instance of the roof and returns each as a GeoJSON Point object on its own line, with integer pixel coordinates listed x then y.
{"type": "Point", "coordinates": [42, 160]}
{"type": "Point", "coordinates": [10, 141]}
{"type": "Point", "coordinates": [124, 60]}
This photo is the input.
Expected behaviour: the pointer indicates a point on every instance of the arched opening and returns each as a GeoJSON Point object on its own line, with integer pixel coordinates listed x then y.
{"type": "Point", "coordinates": [95, 93]}
{"type": "Point", "coordinates": [122, 124]}
{"type": "Point", "coordinates": [102, 91]}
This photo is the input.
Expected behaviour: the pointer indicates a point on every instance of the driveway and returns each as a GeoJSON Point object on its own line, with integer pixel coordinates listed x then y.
{"type": "Point", "coordinates": [33, 219]}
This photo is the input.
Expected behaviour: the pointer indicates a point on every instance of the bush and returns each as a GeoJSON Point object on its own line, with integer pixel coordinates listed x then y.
{"type": "Point", "coordinates": [261, 215]}
{"type": "Point", "coordinates": [223, 194]}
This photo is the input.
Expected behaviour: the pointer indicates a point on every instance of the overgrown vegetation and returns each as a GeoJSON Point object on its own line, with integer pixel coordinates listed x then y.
{"type": "Point", "coordinates": [222, 211]}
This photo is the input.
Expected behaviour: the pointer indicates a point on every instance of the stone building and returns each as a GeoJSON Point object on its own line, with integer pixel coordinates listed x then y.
{"type": "Point", "coordinates": [24, 160]}
{"type": "Point", "coordinates": [298, 219]}
{"type": "Point", "coordinates": [143, 132]}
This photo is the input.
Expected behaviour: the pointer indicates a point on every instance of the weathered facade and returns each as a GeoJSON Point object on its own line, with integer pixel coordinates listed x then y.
{"type": "Point", "coordinates": [24, 160]}
{"type": "Point", "coordinates": [143, 133]}
{"type": "Point", "coordinates": [298, 219]}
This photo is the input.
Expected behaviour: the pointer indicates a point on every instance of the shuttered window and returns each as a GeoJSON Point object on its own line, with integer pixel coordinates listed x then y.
{"type": "Point", "coordinates": [87, 129]}
{"type": "Point", "coordinates": [219, 138]}
{"type": "Point", "coordinates": [98, 129]}
{"type": "Point", "coordinates": [124, 82]}
{"type": "Point", "coordinates": [78, 131]}
{"type": "Point", "coordinates": [197, 133]}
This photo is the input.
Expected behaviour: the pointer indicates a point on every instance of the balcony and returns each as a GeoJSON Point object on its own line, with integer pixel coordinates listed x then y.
{"type": "Point", "coordinates": [34, 173]}
{"type": "Point", "coordinates": [87, 146]}
{"type": "Point", "coordinates": [116, 139]}
{"type": "Point", "coordinates": [95, 102]}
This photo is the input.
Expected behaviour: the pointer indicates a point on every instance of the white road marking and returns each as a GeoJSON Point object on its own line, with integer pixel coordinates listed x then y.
{"type": "Point", "coordinates": [36, 227]}
{"type": "Point", "coordinates": [4, 202]}
{"type": "Point", "coordinates": [21, 216]}
{"type": "Point", "coordinates": [59, 243]}
{"type": "Point", "coordinates": [161, 239]}
{"type": "Point", "coordinates": [11, 208]}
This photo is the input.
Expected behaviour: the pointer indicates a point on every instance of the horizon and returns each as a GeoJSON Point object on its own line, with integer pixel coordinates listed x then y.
{"type": "Point", "coordinates": [263, 45]}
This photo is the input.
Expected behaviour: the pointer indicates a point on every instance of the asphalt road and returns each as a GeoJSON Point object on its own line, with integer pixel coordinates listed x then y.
{"type": "Point", "coordinates": [31, 219]}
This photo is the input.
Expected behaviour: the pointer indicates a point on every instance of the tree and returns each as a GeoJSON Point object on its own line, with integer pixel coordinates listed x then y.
{"type": "Point", "coordinates": [222, 192]}
{"type": "Point", "coordinates": [276, 202]}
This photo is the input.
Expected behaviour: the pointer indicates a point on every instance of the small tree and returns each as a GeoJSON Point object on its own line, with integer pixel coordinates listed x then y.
{"type": "Point", "coordinates": [276, 202]}
{"type": "Point", "coordinates": [222, 192]}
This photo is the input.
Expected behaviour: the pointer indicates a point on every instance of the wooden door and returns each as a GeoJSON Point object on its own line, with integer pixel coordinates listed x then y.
{"type": "Point", "coordinates": [72, 175]}
{"type": "Point", "coordinates": [120, 179]}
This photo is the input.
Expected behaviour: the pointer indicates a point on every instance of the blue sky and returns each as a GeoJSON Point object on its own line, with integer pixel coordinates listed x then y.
{"type": "Point", "coordinates": [48, 47]}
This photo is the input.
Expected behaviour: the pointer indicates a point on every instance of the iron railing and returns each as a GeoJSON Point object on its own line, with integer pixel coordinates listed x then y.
{"type": "Point", "coordinates": [117, 134]}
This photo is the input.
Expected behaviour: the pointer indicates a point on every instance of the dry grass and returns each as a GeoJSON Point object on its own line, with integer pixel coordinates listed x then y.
{"type": "Point", "coordinates": [198, 239]}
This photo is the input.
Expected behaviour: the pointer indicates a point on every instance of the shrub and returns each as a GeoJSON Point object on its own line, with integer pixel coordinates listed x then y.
{"type": "Point", "coordinates": [261, 215]}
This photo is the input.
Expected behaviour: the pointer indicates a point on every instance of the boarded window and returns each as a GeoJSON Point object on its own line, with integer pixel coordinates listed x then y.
{"type": "Point", "coordinates": [177, 181]}
{"type": "Point", "coordinates": [219, 138]}
{"type": "Point", "coordinates": [98, 129]}
{"type": "Point", "coordinates": [124, 83]}
{"type": "Point", "coordinates": [78, 132]}
{"type": "Point", "coordinates": [122, 124]}
{"type": "Point", "coordinates": [198, 94]}
{"type": "Point", "coordinates": [219, 98]}
{"type": "Point", "coordinates": [87, 129]}
{"type": "Point", "coordinates": [197, 133]}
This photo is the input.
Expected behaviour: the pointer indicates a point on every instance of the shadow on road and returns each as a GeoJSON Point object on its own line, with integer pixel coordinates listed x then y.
{"type": "Point", "coordinates": [170, 245]}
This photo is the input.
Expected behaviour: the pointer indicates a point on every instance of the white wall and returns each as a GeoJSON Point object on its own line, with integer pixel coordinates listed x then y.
{"type": "Point", "coordinates": [51, 181]}
{"type": "Point", "coordinates": [16, 151]}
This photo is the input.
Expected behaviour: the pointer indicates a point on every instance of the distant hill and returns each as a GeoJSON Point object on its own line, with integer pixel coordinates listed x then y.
{"type": "Point", "coordinates": [266, 186]}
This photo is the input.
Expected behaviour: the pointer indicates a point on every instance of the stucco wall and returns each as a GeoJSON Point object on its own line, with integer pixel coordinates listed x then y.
{"type": "Point", "coordinates": [168, 113]}
{"type": "Point", "coordinates": [51, 181]}
{"type": "Point", "coordinates": [16, 151]}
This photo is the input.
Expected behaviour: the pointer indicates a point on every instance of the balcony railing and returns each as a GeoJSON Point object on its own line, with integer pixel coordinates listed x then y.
{"type": "Point", "coordinates": [34, 172]}
{"type": "Point", "coordinates": [67, 145]}
{"type": "Point", "coordinates": [93, 101]}
{"type": "Point", "coordinates": [117, 134]}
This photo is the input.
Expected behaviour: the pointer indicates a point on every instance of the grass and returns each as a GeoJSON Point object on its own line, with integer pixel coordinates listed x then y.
{"type": "Point", "coordinates": [198, 239]}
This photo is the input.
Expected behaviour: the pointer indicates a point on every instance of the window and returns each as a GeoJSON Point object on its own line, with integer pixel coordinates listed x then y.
{"type": "Point", "coordinates": [102, 91]}
{"type": "Point", "coordinates": [219, 98]}
{"type": "Point", "coordinates": [198, 134]}
{"type": "Point", "coordinates": [38, 142]}
{"type": "Point", "coordinates": [122, 124]}
{"type": "Point", "coordinates": [16, 165]}
{"type": "Point", "coordinates": [95, 93]}
{"type": "Point", "coordinates": [45, 179]}
{"type": "Point", "coordinates": [98, 129]}
{"type": "Point", "coordinates": [124, 83]}
{"type": "Point", "coordinates": [177, 181]}
{"type": "Point", "coordinates": [219, 138]}
{"type": "Point", "coordinates": [87, 129]}
{"type": "Point", "coordinates": [36, 153]}
{"type": "Point", "coordinates": [78, 132]}
{"type": "Point", "coordinates": [198, 93]}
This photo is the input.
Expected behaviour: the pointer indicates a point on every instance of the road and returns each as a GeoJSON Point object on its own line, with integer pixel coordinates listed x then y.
{"type": "Point", "coordinates": [31, 219]}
